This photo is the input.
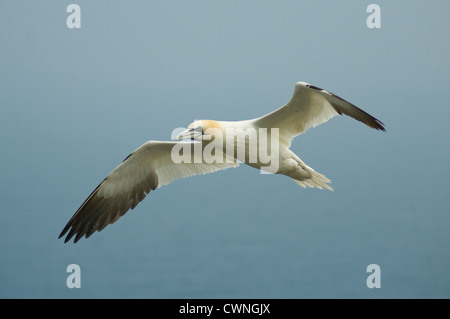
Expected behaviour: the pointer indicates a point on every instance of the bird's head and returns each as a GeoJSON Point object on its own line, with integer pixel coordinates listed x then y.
{"type": "Point", "coordinates": [200, 130]}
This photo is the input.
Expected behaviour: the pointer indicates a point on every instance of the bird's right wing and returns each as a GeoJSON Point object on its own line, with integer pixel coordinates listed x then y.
{"type": "Point", "coordinates": [311, 106]}
{"type": "Point", "coordinates": [149, 167]}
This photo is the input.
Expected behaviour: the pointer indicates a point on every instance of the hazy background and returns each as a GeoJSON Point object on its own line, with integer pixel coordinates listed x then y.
{"type": "Point", "coordinates": [75, 102]}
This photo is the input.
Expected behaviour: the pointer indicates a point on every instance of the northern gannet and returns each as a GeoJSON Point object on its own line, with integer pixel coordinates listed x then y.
{"type": "Point", "coordinates": [157, 163]}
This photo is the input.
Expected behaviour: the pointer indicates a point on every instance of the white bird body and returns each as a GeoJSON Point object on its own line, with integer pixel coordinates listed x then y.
{"type": "Point", "coordinates": [262, 143]}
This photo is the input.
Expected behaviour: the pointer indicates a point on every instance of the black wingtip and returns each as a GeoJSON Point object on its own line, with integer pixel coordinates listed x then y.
{"type": "Point", "coordinates": [69, 236]}
{"type": "Point", "coordinates": [65, 239]}
{"type": "Point", "coordinates": [378, 125]}
{"type": "Point", "coordinates": [64, 231]}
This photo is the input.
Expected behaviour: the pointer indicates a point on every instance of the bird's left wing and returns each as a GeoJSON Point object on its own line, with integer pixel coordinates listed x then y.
{"type": "Point", "coordinates": [149, 167]}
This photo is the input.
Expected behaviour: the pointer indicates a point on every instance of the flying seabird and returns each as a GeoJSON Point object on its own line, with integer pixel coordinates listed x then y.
{"type": "Point", "coordinates": [155, 163]}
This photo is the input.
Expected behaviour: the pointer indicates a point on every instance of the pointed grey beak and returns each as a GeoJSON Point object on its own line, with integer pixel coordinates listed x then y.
{"type": "Point", "coordinates": [189, 134]}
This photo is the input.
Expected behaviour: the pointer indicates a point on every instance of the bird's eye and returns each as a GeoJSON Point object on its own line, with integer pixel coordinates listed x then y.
{"type": "Point", "coordinates": [198, 129]}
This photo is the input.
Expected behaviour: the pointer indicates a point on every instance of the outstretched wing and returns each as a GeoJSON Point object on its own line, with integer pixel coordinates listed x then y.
{"type": "Point", "coordinates": [149, 167]}
{"type": "Point", "coordinates": [311, 106]}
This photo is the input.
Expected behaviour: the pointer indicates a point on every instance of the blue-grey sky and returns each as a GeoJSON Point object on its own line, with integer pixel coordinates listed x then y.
{"type": "Point", "coordinates": [75, 102]}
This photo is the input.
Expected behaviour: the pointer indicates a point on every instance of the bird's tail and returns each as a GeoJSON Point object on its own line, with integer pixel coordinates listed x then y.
{"type": "Point", "coordinates": [317, 180]}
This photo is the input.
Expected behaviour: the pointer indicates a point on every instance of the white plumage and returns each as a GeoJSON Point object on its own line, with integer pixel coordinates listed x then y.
{"type": "Point", "coordinates": [152, 165]}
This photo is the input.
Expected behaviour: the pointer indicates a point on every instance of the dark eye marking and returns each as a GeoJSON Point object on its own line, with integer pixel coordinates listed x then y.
{"type": "Point", "coordinates": [199, 129]}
